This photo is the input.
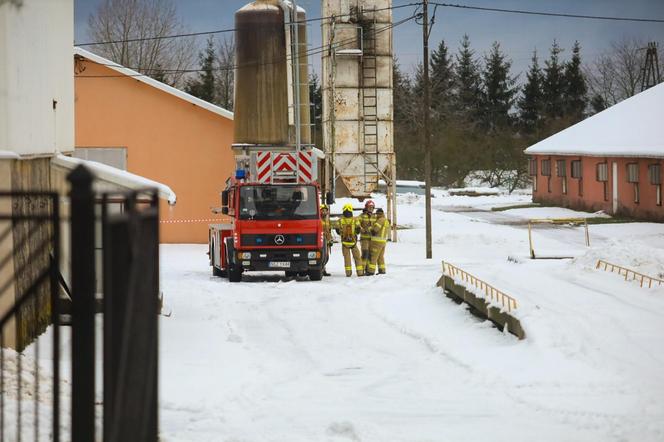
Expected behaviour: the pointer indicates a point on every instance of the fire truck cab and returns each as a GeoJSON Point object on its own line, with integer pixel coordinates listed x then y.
{"type": "Point", "coordinates": [275, 225]}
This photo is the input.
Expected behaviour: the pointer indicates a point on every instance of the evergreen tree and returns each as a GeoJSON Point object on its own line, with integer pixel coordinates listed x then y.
{"type": "Point", "coordinates": [531, 102]}
{"type": "Point", "coordinates": [442, 81]}
{"type": "Point", "coordinates": [498, 89]}
{"type": "Point", "coordinates": [158, 74]}
{"type": "Point", "coordinates": [467, 82]}
{"type": "Point", "coordinates": [576, 90]}
{"type": "Point", "coordinates": [598, 103]}
{"type": "Point", "coordinates": [203, 86]}
{"type": "Point", "coordinates": [407, 118]}
{"type": "Point", "coordinates": [402, 94]}
{"type": "Point", "coordinates": [554, 84]}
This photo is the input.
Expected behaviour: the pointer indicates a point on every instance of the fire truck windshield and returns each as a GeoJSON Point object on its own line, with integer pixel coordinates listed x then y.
{"type": "Point", "coordinates": [278, 202]}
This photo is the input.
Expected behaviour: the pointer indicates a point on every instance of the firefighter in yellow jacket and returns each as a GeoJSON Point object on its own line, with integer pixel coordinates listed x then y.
{"type": "Point", "coordinates": [380, 232]}
{"type": "Point", "coordinates": [367, 218]}
{"type": "Point", "coordinates": [327, 233]}
{"type": "Point", "coordinates": [348, 228]}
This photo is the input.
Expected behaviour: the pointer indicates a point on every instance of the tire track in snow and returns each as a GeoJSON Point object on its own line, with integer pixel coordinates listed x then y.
{"type": "Point", "coordinates": [429, 344]}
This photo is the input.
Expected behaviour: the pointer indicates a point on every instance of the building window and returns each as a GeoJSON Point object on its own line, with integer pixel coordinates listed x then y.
{"type": "Point", "coordinates": [633, 177]}
{"type": "Point", "coordinates": [561, 171]}
{"type": "Point", "coordinates": [655, 176]}
{"type": "Point", "coordinates": [603, 177]}
{"type": "Point", "coordinates": [577, 172]}
{"type": "Point", "coordinates": [633, 173]}
{"type": "Point", "coordinates": [111, 156]}
{"type": "Point", "coordinates": [546, 167]}
{"type": "Point", "coordinates": [532, 167]}
{"type": "Point", "coordinates": [602, 172]}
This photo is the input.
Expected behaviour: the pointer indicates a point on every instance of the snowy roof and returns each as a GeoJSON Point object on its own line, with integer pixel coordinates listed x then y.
{"type": "Point", "coordinates": [152, 82]}
{"type": "Point", "coordinates": [118, 177]}
{"type": "Point", "coordinates": [631, 128]}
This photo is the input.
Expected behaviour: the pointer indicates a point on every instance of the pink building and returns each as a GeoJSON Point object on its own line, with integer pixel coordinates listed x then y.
{"type": "Point", "coordinates": [611, 161]}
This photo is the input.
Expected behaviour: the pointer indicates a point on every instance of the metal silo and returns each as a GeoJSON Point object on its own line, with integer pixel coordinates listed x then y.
{"type": "Point", "coordinates": [357, 98]}
{"type": "Point", "coordinates": [265, 97]}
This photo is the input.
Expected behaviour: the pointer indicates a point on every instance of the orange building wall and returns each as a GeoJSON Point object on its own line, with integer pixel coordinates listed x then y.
{"type": "Point", "coordinates": [167, 139]}
{"type": "Point", "coordinates": [592, 196]}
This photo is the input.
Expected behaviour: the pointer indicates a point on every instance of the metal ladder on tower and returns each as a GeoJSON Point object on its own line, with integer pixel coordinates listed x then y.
{"type": "Point", "coordinates": [370, 104]}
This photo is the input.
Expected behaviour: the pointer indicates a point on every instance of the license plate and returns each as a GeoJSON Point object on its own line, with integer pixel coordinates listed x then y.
{"type": "Point", "coordinates": [279, 264]}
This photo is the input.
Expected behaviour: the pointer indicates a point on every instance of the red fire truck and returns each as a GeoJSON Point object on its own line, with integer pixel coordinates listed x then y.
{"type": "Point", "coordinates": [273, 203]}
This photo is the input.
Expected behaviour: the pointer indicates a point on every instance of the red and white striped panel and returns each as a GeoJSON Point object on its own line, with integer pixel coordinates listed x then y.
{"type": "Point", "coordinates": [268, 163]}
{"type": "Point", "coordinates": [306, 167]}
{"type": "Point", "coordinates": [264, 167]}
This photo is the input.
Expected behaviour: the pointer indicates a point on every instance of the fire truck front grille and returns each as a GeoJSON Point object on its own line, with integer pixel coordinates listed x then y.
{"type": "Point", "coordinates": [292, 239]}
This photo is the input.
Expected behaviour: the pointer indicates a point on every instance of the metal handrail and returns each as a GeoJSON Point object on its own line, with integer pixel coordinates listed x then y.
{"type": "Point", "coordinates": [635, 275]}
{"type": "Point", "coordinates": [490, 291]}
{"type": "Point", "coordinates": [556, 221]}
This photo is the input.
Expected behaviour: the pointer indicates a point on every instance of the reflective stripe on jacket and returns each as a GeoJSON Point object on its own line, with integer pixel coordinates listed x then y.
{"type": "Point", "coordinates": [380, 230]}
{"type": "Point", "coordinates": [348, 228]}
{"type": "Point", "coordinates": [366, 222]}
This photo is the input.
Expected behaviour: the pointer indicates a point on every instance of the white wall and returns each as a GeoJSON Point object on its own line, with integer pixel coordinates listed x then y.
{"type": "Point", "coordinates": [36, 67]}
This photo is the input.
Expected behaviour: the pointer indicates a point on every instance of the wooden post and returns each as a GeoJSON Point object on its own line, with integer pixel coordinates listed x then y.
{"type": "Point", "coordinates": [427, 135]}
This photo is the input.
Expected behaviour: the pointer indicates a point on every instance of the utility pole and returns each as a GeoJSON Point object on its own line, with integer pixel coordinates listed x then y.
{"type": "Point", "coordinates": [650, 71]}
{"type": "Point", "coordinates": [427, 135]}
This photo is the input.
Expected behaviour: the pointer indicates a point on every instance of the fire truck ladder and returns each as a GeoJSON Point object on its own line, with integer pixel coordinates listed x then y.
{"type": "Point", "coordinates": [370, 104]}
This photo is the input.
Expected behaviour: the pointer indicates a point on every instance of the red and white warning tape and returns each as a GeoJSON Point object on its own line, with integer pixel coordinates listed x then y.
{"type": "Point", "coordinates": [185, 221]}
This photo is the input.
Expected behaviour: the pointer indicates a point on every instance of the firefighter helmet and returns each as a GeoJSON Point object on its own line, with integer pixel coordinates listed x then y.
{"type": "Point", "coordinates": [324, 207]}
{"type": "Point", "coordinates": [348, 207]}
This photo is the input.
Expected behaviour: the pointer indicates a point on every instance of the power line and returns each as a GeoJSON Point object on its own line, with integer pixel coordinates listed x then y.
{"type": "Point", "coordinates": [308, 52]}
{"type": "Point", "coordinates": [221, 31]}
{"type": "Point", "coordinates": [549, 14]}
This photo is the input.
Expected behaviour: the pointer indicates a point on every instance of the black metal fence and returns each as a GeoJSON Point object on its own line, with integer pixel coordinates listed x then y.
{"type": "Point", "coordinates": [29, 259]}
{"type": "Point", "coordinates": [38, 402]}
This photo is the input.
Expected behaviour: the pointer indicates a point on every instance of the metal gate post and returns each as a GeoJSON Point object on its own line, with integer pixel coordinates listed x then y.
{"type": "Point", "coordinates": [83, 304]}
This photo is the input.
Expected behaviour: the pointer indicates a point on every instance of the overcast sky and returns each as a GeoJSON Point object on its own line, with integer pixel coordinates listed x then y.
{"type": "Point", "coordinates": [518, 35]}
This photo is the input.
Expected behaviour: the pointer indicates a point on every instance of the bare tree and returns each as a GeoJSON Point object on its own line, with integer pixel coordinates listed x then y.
{"type": "Point", "coordinates": [629, 56]}
{"type": "Point", "coordinates": [225, 79]}
{"type": "Point", "coordinates": [616, 74]}
{"type": "Point", "coordinates": [131, 31]}
{"type": "Point", "coordinates": [601, 80]}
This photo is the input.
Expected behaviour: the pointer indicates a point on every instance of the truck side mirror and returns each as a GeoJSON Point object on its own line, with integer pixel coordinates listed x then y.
{"type": "Point", "coordinates": [224, 199]}
{"type": "Point", "coordinates": [224, 210]}
{"type": "Point", "coordinates": [329, 198]}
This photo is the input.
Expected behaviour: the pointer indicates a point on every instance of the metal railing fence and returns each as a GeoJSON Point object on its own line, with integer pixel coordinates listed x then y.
{"type": "Point", "coordinates": [636, 276]}
{"type": "Point", "coordinates": [489, 291]}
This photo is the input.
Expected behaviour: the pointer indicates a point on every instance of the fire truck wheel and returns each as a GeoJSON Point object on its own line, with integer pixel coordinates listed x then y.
{"type": "Point", "coordinates": [316, 275]}
{"type": "Point", "coordinates": [235, 274]}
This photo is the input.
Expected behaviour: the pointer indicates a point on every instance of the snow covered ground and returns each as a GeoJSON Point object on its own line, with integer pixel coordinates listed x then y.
{"type": "Point", "coordinates": [390, 358]}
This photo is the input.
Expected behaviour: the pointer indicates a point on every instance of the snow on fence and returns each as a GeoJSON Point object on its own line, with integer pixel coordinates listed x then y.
{"type": "Point", "coordinates": [489, 291]}
{"type": "Point", "coordinates": [627, 272]}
